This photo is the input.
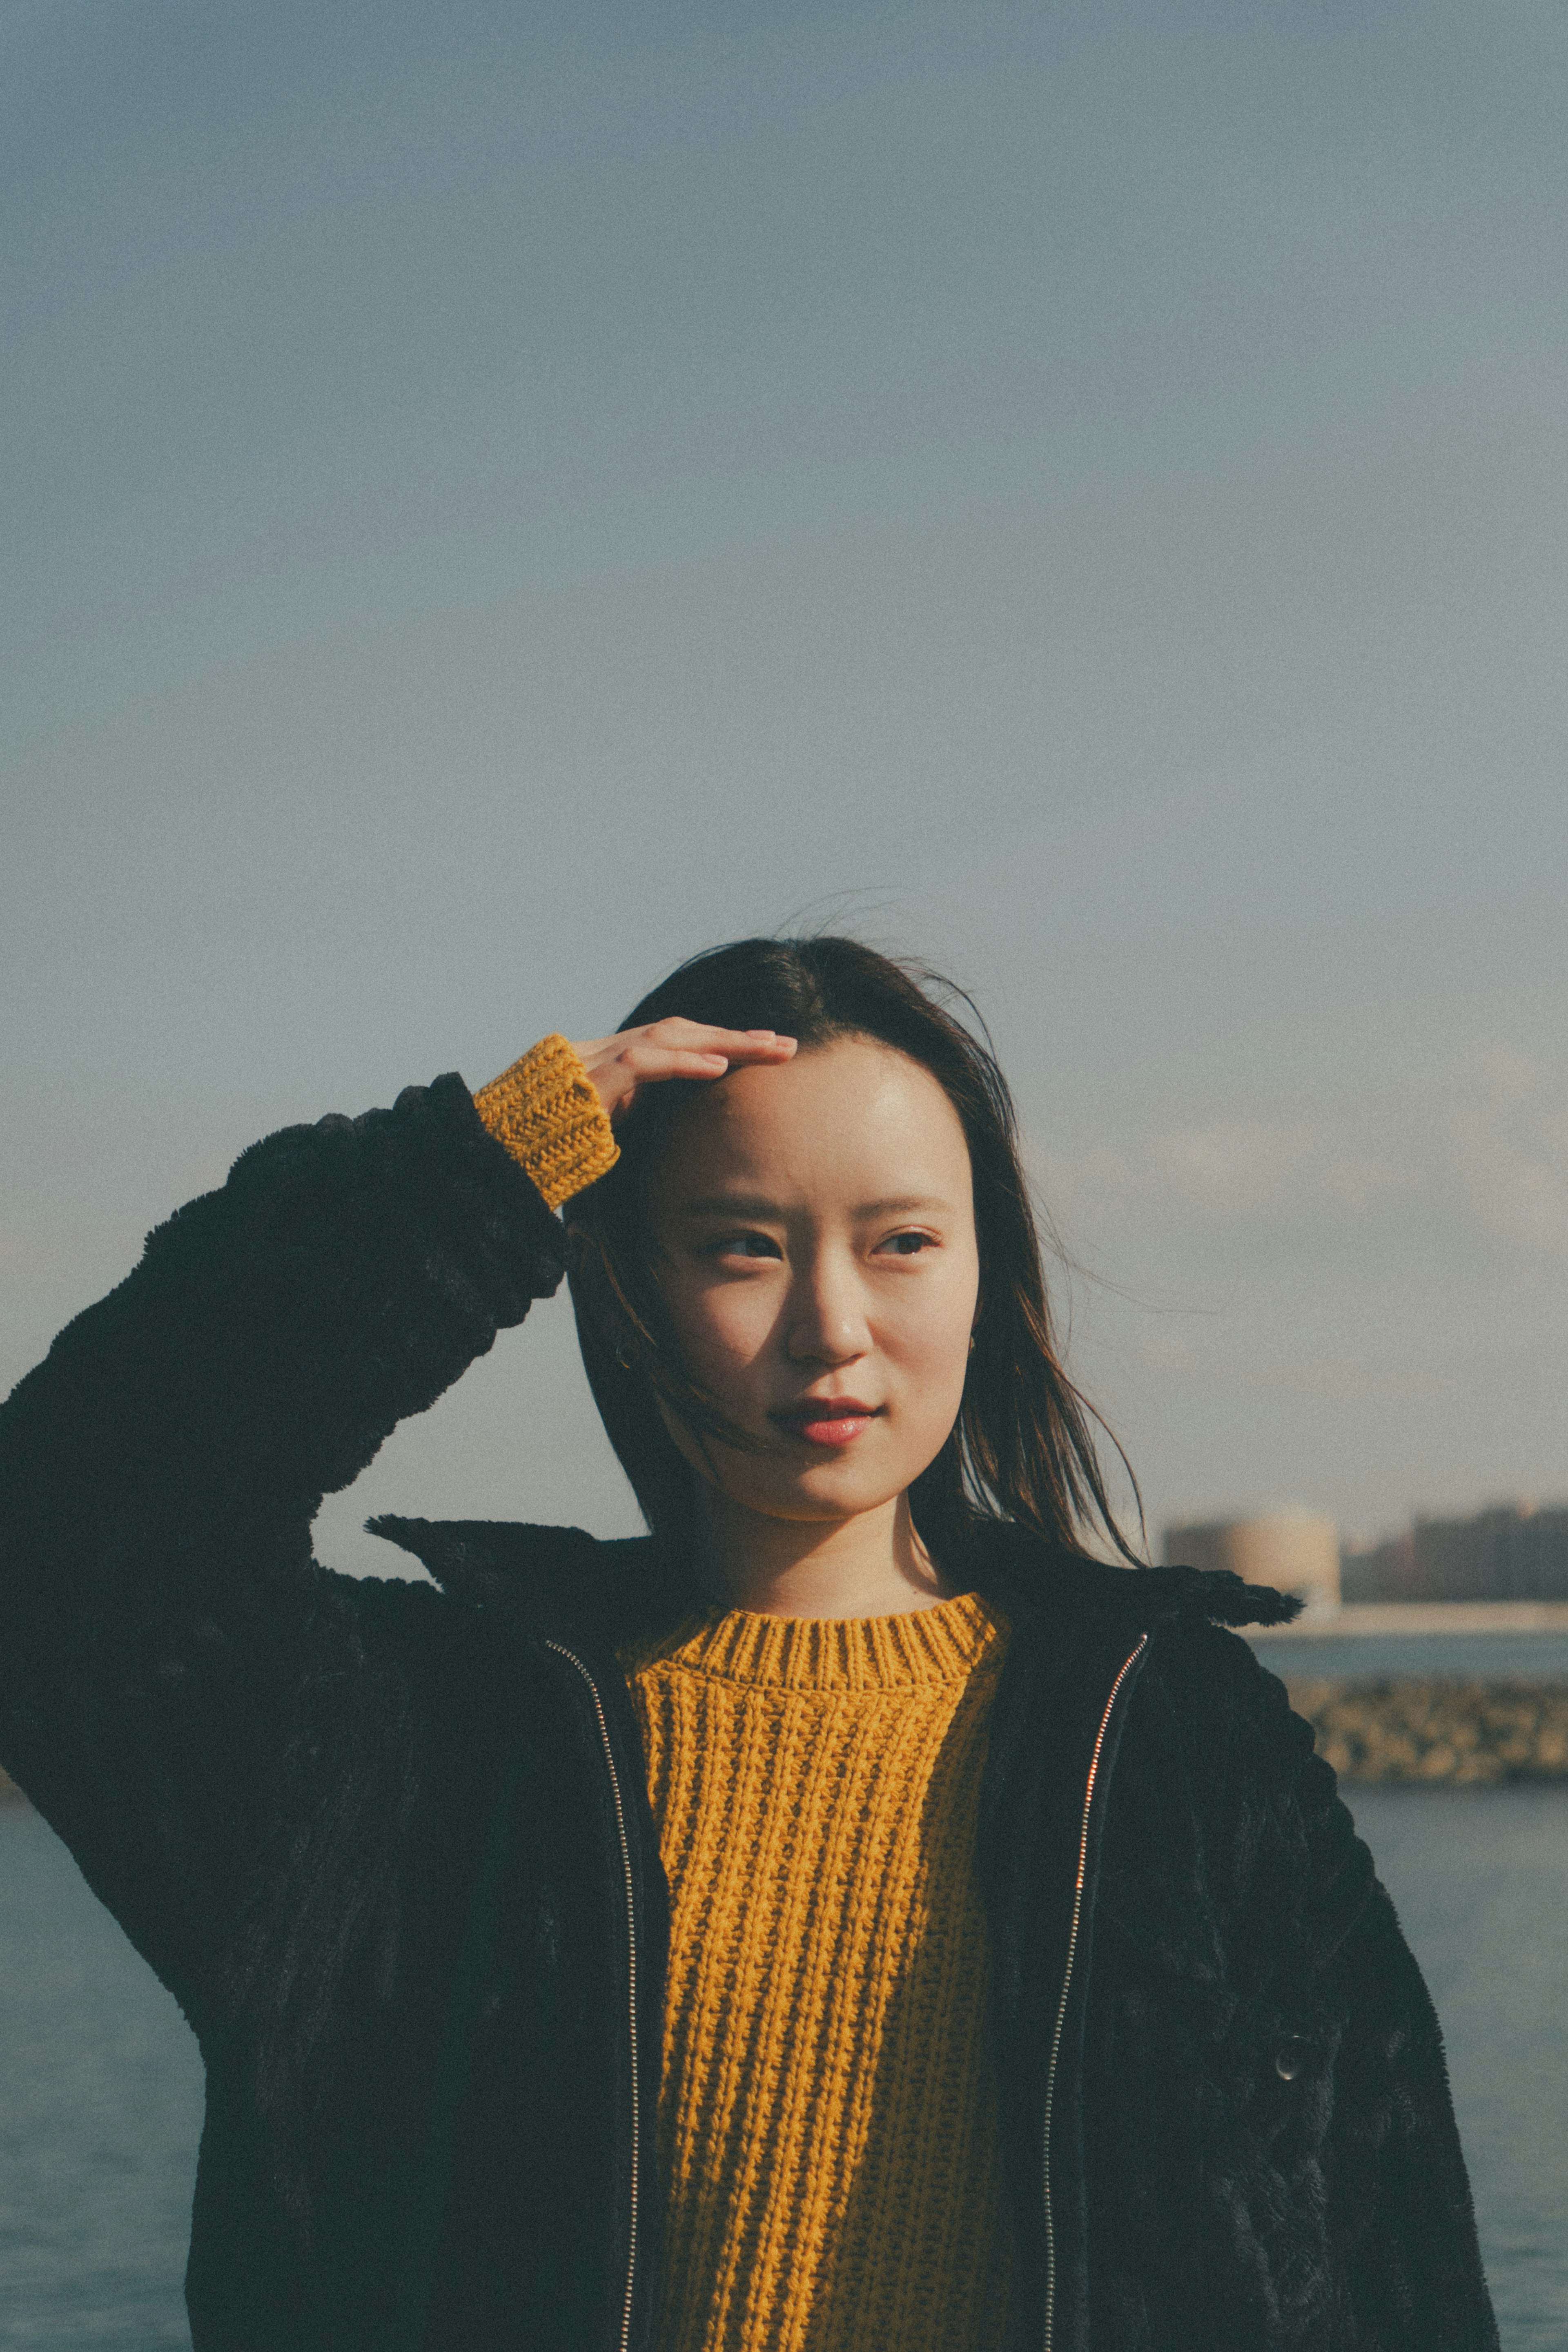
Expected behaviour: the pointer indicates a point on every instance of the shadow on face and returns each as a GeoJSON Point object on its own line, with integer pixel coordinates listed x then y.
{"type": "Point", "coordinates": [817, 1257]}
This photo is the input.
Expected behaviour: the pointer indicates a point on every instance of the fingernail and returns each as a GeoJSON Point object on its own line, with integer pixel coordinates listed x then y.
{"type": "Point", "coordinates": [762, 1032]}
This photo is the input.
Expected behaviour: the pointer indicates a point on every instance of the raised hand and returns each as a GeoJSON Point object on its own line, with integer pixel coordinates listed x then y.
{"type": "Point", "coordinates": [621, 1065]}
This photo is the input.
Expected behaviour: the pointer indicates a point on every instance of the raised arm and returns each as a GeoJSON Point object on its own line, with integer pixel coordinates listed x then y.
{"type": "Point", "coordinates": [164, 1631]}
{"type": "Point", "coordinates": [160, 1471]}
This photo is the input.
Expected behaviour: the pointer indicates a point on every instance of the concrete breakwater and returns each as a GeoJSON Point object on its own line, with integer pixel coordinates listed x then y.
{"type": "Point", "coordinates": [1464, 1733]}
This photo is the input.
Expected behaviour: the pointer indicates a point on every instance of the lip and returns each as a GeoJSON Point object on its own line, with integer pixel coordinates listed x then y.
{"type": "Point", "coordinates": [826, 1421]}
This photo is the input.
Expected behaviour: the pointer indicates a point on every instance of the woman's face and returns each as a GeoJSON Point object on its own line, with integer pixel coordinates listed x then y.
{"type": "Point", "coordinates": [816, 1229]}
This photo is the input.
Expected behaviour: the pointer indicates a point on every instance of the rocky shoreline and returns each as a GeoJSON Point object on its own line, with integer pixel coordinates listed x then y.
{"type": "Point", "coordinates": [1432, 1732]}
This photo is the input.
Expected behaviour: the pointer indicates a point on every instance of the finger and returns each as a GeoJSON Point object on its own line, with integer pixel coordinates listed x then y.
{"type": "Point", "coordinates": [706, 1036]}
{"type": "Point", "coordinates": [649, 1061]}
{"type": "Point", "coordinates": [751, 1044]}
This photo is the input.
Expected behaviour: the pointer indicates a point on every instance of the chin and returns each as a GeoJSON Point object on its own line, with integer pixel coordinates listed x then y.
{"type": "Point", "coordinates": [819, 1494]}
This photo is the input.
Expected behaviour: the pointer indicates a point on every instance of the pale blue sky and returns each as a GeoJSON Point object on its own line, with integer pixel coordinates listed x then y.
{"type": "Point", "coordinates": [497, 499]}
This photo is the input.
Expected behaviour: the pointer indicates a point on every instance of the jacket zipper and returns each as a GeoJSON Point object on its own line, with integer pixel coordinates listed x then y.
{"type": "Point", "coordinates": [1127, 1665]}
{"type": "Point", "coordinates": [630, 1978]}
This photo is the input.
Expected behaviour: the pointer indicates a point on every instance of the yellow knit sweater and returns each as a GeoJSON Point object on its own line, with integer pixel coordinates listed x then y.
{"type": "Point", "coordinates": [827, 2129]}
{"type": "Point", "coordinates": [544, 1110]}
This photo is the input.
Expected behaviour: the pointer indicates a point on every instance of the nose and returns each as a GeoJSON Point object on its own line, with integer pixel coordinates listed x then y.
{"type": "Point", "coordinates": [826, 1321]}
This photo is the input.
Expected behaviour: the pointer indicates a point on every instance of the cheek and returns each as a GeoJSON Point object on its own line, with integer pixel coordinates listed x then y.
{"type": "Point", "coordinates": [928, 1345]}
{"type": "Point", "coordinates": [723, 1327]}
{"type": "Point", "coordinates": [934, 1359]}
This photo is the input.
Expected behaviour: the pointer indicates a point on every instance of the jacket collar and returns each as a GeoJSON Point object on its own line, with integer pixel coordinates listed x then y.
{"type": "Point", "coordinates": [562, 1580]}
{"type": "Point", "coordinates": [1033, 1579]}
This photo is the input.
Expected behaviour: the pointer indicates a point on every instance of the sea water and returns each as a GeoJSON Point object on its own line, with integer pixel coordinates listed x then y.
{"type": "Point", "coordinates": [100, 2084]}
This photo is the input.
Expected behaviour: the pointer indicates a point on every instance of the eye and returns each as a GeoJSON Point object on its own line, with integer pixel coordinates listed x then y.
{"type": "Point", "coordinates": [908, 1245]}
{"type": "Point", "coordinates": [749, 1245]}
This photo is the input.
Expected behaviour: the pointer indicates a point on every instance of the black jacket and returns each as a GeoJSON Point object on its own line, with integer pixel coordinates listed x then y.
{"type": "Point", "coordinates": [390, 1843]}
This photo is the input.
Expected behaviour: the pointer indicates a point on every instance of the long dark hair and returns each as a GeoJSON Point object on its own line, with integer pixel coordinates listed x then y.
{"type": "Point", "coordinates": [1022, 1448]}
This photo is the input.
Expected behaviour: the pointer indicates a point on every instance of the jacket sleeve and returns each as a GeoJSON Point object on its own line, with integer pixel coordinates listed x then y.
{"type": "Point", "coordinates": [1400, 2207]}
{"type": "Point", "coordinates": [159, 1609]}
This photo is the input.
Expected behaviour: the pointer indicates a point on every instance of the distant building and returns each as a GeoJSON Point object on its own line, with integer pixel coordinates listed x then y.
{"type": "Point", "coordinates": [1382, 1572]}
{"type": "Point", "coordinates": [1514, 1552]}
{"type": "Point", "coordinates": [1295, 1551]}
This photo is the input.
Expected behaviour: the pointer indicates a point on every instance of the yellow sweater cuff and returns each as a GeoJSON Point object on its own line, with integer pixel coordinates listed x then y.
{"type": "Point", "coordinates": [544, 1110]}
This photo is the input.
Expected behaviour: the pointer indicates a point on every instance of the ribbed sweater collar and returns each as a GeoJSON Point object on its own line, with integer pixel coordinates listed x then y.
{"type": "Point", "coordinates": [945, 1644]}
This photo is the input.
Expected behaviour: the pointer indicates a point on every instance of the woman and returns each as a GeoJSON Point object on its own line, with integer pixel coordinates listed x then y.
{"type": "Point", "coordinates": [849, 1915]}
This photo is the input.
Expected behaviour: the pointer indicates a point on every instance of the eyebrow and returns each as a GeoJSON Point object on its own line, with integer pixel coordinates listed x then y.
{"type": "Point", "coordinates": [753, 1204]}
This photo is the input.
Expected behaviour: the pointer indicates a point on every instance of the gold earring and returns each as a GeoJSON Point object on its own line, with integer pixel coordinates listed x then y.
{"type": "Point", "coordinates": [971, 1343]}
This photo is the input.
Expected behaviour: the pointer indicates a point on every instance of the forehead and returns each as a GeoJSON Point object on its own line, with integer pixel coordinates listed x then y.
{"type": "Point", "coordinates": [852, 1117]}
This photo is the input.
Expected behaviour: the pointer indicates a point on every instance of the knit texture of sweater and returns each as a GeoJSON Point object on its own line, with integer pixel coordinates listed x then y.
{"type": "Point", "coordinates": [827, 2129]}
{"type": "Point", "coordinates": [546, 1111]}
